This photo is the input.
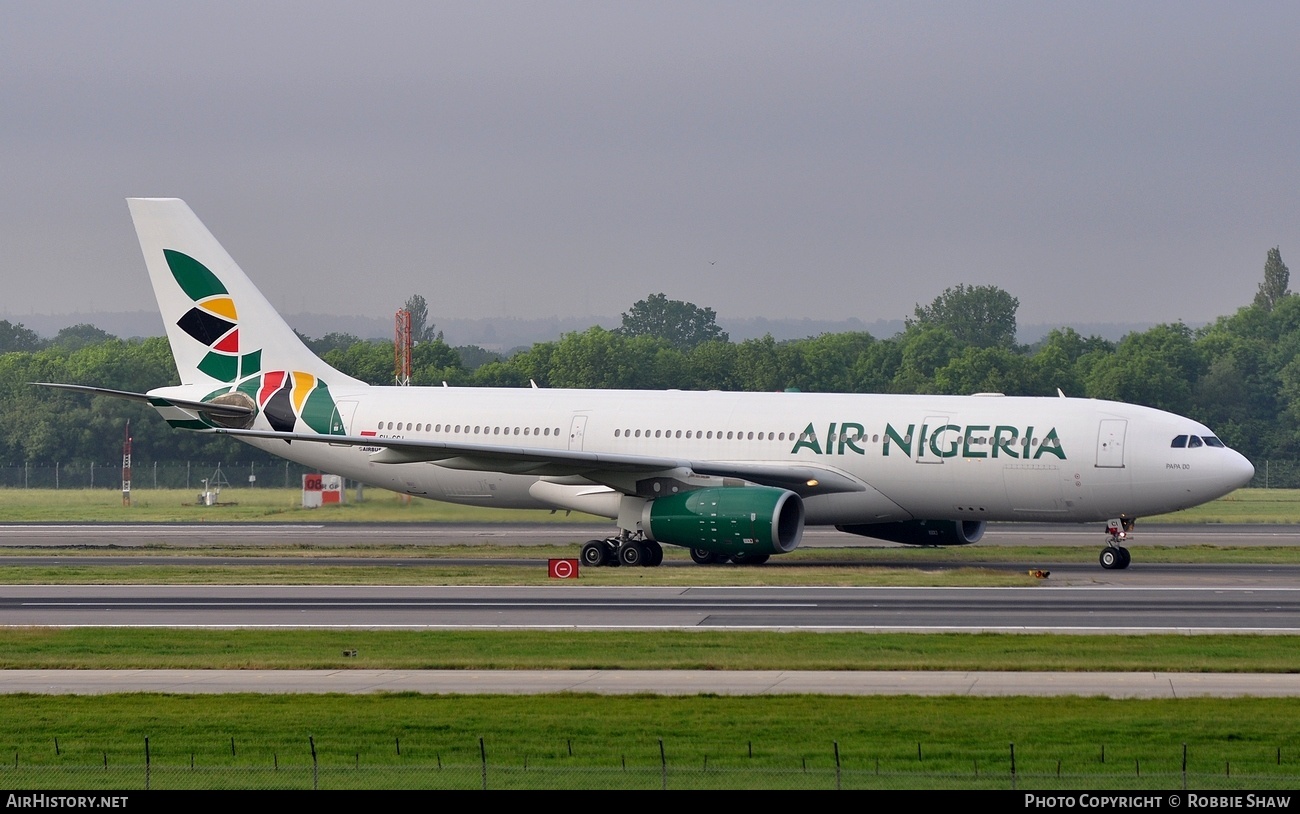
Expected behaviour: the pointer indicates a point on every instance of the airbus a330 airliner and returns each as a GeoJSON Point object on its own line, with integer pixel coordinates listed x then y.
{"type": "Point", "coordinates": [731, 476]}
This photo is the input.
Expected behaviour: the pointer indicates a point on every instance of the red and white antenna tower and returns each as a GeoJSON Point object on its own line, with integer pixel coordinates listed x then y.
{"type": "Point", "coordinates": [126, 468]}
{"type": "Point", "coordinates": [402, 349]}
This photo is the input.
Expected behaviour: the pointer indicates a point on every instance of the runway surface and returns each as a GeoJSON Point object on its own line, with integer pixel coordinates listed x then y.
{"type": "Point", "coordinates": [565, 606]}
{"type": "Point", "coordinates": [665, 682]}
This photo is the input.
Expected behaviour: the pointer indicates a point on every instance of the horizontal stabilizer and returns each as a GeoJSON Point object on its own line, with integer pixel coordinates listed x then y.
{"type": "Point", "coordinates": [207, 407]}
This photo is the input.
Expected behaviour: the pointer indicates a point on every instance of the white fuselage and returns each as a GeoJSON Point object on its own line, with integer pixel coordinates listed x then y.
{"type": "Point", "coordinates": [982, 457]}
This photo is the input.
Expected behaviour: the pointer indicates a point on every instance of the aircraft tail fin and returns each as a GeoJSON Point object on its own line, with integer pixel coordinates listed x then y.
{"type": "Point", "coordinates": [225, 336]}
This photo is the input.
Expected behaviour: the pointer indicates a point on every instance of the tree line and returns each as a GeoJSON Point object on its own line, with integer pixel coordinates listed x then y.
{"type": "Point", "coordinates": [1240, 375]}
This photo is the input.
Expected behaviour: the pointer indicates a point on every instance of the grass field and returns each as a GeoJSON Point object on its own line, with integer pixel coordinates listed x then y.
{"type": "Point", "coordinates": [125, 648]}
{"type": "Point", "coordinates": [63, 571]}
{"type": "Point", "coordinates": [897, 736]}
{"type": "Point", "coordinates": [250, 505]}
{"type": "Point", "coordinates": [380, 506]}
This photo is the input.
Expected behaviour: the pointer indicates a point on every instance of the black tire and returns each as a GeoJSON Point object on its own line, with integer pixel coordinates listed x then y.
{"type": "Point", "coordinates": [1110, 558]}
{"type": "Point", "coordinates": [593, 553]}
{"type": "Point", "coordinates": [749, 559]}
{"type": "Point", "coordinates": [654, 553]}
{"type": "Point", "coordinates": [703, 557]}
{"type": "Point", "coordinates": [631, 555]}
{"type": "Point", "coordinates": [1124, 558]}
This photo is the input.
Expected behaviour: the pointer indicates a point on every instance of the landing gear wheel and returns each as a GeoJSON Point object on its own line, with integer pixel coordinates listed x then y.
{"type": "Point", "coordinates": [749, 559]}
{"type": "Point", "coordinates": [1115, 558]}
{"type": "Point", "coordinates": [654, 553]}
{"type": "Point", "coordinates": [593, 553]}
{"type": "Point", "coordinates": [631, 554]}
{"type": "Point", "coordinates": [704, 557]}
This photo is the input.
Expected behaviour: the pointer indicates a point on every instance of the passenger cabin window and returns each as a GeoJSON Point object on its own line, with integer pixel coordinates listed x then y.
{"type": "Point", "coordinates": [1180, 441]}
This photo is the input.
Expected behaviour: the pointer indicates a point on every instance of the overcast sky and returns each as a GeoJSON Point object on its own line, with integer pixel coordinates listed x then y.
{"type": "Point", "coordinates": [1101, 161]}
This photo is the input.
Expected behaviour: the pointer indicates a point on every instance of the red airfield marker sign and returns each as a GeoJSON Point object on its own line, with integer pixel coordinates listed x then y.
{"type": "Point", "coordinates": [562, 569]}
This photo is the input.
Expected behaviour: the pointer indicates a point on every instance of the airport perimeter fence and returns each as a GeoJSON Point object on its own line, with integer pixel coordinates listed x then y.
{"type": "Point", "coordinates": [189, 475]}
{"type": "Point", "coordinates": [1276, 474]}
{"type": "Point", "coordinates": [668, 776]}
{"type": "Point", "coordinates": [406, 765]}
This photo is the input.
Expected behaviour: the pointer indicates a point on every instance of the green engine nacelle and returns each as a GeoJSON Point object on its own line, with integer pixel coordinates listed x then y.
{"type": "Point", "coordinates": [735, 520]}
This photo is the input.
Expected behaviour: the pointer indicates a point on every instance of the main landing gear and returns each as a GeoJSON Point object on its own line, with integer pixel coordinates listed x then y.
{"type": "Point", "coordinates": [633, 550]}
{"type": "Point", "coordinates": [1115, 557]}
{"type": "Point", "coordinates": [623, 550]}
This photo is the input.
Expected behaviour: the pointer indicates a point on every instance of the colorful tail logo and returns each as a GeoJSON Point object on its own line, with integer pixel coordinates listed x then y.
{"type": "Point", "coordinates": [213, 320]}
{"type": "Point", "coordinates": [283, 396]}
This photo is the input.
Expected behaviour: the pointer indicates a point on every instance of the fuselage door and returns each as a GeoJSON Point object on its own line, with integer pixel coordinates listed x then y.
{"type": "Point", "coordinates": [576, 430]}
{"type": "Point", "coordinates": [931, 441]}
{"type": "Point", "coordinates": [1110, 443]}
{"type": "Point", "coordinates": [346, 410]}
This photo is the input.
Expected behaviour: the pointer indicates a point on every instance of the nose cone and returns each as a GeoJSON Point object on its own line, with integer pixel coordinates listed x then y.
{"type": "Point", "coordinates": [1230, 471]}
{"type": "Point", "coordinates": [1239, 472]}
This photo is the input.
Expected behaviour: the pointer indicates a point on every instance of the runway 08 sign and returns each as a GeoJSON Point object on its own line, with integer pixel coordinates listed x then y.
{"type": "Point", "coordinates": [562, 569]}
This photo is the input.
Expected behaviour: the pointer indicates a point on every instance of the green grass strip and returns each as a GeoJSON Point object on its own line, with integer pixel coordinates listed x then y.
{"type": "Point", "coordinates": [240, 505]}
{"type": "Point", "coordinates": [285, 505]}
{"type": "Point", "coordinates": [902, 734]}
{"type": "Point", "coordinates": [124, 648]}
{"type": "Point", "coordinates": [71, 574]}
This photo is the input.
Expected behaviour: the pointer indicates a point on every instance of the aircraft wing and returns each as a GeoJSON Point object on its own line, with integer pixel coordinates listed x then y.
{"type": "Point", "coordinates": [601, 467]}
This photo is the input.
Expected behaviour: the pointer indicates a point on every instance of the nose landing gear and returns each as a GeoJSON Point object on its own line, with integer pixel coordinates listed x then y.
{"type": "Point", "coordinates": [1115, 557]}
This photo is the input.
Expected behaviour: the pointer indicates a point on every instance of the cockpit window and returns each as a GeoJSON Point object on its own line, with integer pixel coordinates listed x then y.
{"type": "Point", "coordinates": [1193, 441]}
